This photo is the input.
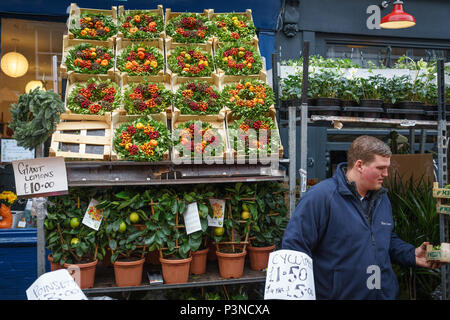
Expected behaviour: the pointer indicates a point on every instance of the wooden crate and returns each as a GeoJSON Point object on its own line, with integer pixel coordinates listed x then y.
{"type": "Point", "coordinates": [226, 78]}
{"type": "Point", "coordinates": [230, 118]}
{"type": "Point", "coordinates": [247, 14]}
{"type": "Point", "coordinates": [119, 117]}
{"type": "Point", "coordinates": [170, 15]}
{"type": "Point", "coordinates": [217, 121]}
{"type": "Point", "coordinates": [442, 255]}
{"type": "Point", "coordinates": [163, 79]}
{"type": "Point", "coordinates": [75, 13]}
{"type": "Point", "coordinates": [170, 46]}
{"type": "Point", "coordinates": [121, 12]}
{"type": "Point", "coordinates": [68, 44]}
{"type": "Point", "coordinates": [122, 43]}
{"type": "Point", "coordinates": [77, 137]}
{"type": "Point", "coordinates": [441, 194]}
{"type": "Point", "coordinates": [81, 78]}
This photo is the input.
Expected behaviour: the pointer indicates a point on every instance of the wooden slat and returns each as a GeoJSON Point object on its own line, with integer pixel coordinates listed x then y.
{"type": "Point", "coordinates": [85, 125]}
{"type": "Point", "coordinates": [81, 139]}
{"type": "Point", "coordinates": [77, 155]}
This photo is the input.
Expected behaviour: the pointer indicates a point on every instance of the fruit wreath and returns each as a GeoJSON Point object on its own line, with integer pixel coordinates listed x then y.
{"type": "Point", "coordinates": [237, 58]}
{"type": "Point", "coordinates": [93, 26]}
{"type": "Point", "coordinates": [190, 61]}
{"type": "Point", "coordinates": [249, 136]}
{"type": "Point", "coordinates": [94, 97]}
{"type": "Point", "coordinates": [197, 97]}
{"type": "Point", "coordinates": [197, 139]}
{"type": "Point", "coordinates": [87, 58]}
{"type": "Point", "coordinates": [248, 98]}
{"type": "Point", "coordinates": [231, 27]}
{"type": "Point", "coordinates": [141, 24]}
{"type": "Point", "coordinates": [34, 117]}
{"type": "Point", "coordinates": [139, 59]}
{"type": "Point", "coordinates": [143, 139]}
{"type": "Point", "coordinates": [146, 98]}
{"type": "Point", "coordinates": [189, 28]}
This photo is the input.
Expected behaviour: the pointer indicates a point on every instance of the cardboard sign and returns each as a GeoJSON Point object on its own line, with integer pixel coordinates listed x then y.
{"type": "Point", "coordinates": [289, 276]}
{"type": "Point", "coordinates": [40, 177]}
{"type": "Point", "coordinates": [93, 216]}
{"type": "Point", "coordinates": [11, 151]}
{"type": "Point", "coordinates": [55, 285]}
{"type": "Point", "coordinates": [218, 207]}
{"type": "Point", "coordinates": [192, 219]}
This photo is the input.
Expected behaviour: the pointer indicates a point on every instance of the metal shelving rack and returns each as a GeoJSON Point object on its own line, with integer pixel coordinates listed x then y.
{"type": "Point", "coordinates": [339, 121]}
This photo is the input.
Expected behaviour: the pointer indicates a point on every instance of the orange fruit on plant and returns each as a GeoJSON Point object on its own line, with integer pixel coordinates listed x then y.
{"type": "Point", "coordinates": [218, 231]}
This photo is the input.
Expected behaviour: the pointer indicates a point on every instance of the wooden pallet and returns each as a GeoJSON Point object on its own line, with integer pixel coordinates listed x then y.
{"type": "Point", "coordinates": [177, 81]}
{"type": "Point", "coordinates": [441, 194]}
{"type": "Point", "coordinates": [119, 117]}
{"type": "Point", "coordinates": [217, 122]}
{"type": "Point", "coordinates": [442, 255]}
{"type": "Point", "coordinates": [68, 44]}
{"type": "Point", "coordinates": [78, 137]}
{"type": "Point", "coordinates": [81, 78]}
{"type": "Point", "coordinates": [230, 118]}
{"type": "Point", "coordinates": [121, 12]}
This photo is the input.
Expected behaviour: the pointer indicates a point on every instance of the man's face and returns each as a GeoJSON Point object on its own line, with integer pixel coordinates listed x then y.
{"type": "Point", "coordinates": [373, 173]}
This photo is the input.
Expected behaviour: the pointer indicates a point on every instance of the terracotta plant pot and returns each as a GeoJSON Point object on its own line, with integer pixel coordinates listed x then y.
{"type": "Point", "coordinates": [259, 257]}
{"type": "Point", "coordinates": [128, 273]}
{"type": "Point", "coordinates": [198, 264]}
{"type": "Point", "coordinates": [7, 219]}
{"type": "Point", "coordinates": [152, 257]}
{"type": "Point", "coordinates": [231, 265]}
{"type": "Point", "coordinates": [54, 265]}
{"type": "Point", "coordinates": [86, 276]}
{"type": "Point", "coordinates": [175, 270]}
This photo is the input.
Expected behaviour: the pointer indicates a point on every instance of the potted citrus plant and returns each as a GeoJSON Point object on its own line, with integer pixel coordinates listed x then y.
{"type": "Point", "coordinates": [73, 244]}
{"type": "Point", "coordinates": [268, 228]}
{"type": "Point", "coordinates": [126, 236]}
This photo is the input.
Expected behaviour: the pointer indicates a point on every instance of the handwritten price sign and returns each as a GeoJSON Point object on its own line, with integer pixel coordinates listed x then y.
{"type": "Point", "coordinates": [289, 276]}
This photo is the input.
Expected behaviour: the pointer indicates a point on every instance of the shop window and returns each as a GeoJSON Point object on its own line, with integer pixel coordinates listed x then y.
{"type": "Point", "coordinates": [38, 41]}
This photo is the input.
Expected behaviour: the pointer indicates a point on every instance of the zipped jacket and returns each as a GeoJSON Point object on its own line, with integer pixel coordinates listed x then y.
{"type": "Point", "coordinates": [352, 258]}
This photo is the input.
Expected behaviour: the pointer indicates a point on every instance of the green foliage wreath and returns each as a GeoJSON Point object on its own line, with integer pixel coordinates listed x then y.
{"type": "Point", "coordinates": [34, 117]}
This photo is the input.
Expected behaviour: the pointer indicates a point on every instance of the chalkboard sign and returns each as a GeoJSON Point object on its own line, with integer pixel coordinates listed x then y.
{"type": "Point", "coordinates": [40, 177]}
{"type": "Point", "coordinates": [289, 276]}
{"type": "Point", "coordinates": [11, 151]}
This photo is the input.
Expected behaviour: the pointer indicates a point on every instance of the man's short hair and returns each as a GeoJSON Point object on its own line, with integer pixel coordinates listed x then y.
{"type": "Point", "coordinates": [365, 148]}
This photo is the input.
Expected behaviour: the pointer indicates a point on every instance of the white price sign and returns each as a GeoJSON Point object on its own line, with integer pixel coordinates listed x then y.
{"type": "Point", "coordinates": [40, 177]}
{"type": "Point", "coordinates": [289, 276]}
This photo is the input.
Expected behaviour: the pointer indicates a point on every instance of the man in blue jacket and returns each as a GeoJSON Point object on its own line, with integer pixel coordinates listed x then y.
{"type": "Point", "coordinates": [345, 225]}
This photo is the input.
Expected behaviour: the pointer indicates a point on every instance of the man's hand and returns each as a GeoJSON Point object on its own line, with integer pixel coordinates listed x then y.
{"type": "Point", "coordinates": [421, 258]}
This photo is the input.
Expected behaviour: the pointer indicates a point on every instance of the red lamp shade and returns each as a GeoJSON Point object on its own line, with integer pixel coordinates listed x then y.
{"type": "Point", "coordinates": [398, 18]}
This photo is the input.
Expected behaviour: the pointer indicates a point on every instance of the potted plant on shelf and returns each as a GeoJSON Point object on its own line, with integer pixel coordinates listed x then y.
{"type": "Point", "coordinates": [74, 245]}
{"type": "Point", "coordinates": [267, 230]}
{"type": "Point", "coordinates": [126, 236]}
{"type": "Point", "coordinates": [231, 240]}
{"type": "Point", "coordinates": [371, 93]}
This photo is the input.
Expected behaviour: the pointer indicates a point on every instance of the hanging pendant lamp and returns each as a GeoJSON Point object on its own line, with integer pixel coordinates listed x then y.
{"type": "Point", "coordinates": [397, 19]}
{"type": "Point", "coordinates": [14, 64]}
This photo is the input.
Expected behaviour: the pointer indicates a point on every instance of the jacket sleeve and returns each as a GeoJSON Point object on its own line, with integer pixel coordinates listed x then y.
{"type": "Point", "coordinates": [307, 223]}
{"type": "Point", "coordinates": [402, 252]}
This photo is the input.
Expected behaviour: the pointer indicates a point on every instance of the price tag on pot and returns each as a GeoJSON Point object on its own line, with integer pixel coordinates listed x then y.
{"type": "Point", "coordinates": [289, 276]}
{"type": "Point", "coordinates": [218, 207]}
{"type": "Point", "coordinates": [192, 218]}
{"type": "Point", "coordinates": [93, 216]}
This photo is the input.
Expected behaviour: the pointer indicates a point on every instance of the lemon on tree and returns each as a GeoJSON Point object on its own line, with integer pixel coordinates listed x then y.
{"type": "Point", "coordinates": [74, 222]}
{"type": "Point", "coordinates": [134, 217]}
{"type": "Point", "coordinates": [245, 215]}
{"type": "Point", "coordinates": [122, 227]}
{"type": "Point", "coordinates": [74, 241]}
{"type": "Point", "coordinates": [245, 207]}
{"type": "Point", "coordinates": [218, 231]}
